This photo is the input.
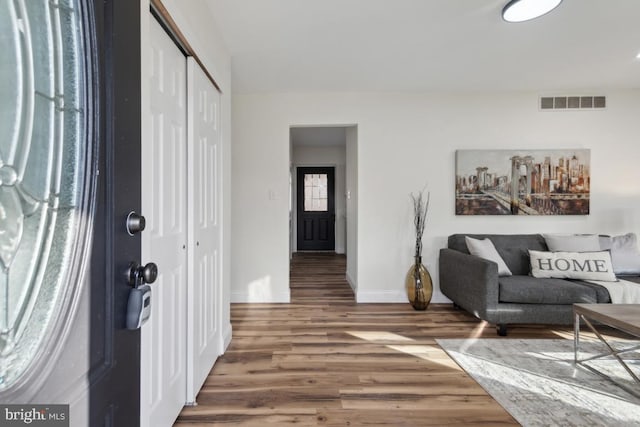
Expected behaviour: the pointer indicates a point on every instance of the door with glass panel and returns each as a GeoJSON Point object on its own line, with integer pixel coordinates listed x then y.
{"type": "Point", "coordinates": [316, 208]}
{"type": "Point", "coordinates": [69, 176]}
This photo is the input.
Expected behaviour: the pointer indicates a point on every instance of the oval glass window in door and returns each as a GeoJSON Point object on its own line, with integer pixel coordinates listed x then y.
{"type": "Point", "coordinates": [46, 187]}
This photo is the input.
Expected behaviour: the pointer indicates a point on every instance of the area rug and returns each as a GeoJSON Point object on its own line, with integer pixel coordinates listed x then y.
{"type": "Point", "coordinates": [536, 381]}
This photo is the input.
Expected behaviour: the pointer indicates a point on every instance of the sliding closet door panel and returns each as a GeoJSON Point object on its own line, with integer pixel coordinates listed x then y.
{"type": "Point", "coordinates": [164, 189]}
{"type": "Point", "coordinates": [205, 339]}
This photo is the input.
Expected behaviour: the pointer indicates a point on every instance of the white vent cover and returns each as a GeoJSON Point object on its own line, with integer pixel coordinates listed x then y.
{"type": "Point", "coordinates": [573, 102]}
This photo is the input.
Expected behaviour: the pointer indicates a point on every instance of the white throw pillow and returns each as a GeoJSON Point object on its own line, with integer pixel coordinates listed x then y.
{"type": "Point", "coordinates": [625, 255]}
{"type": "Point", "coordinates": [572, 265]}
{"type": "Point", "coordinates": [484, 249]}
{"type": "Point", "coordinates": [572, 242]}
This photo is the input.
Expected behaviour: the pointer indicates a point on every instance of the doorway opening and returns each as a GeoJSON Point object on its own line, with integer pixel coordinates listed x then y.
{"type": "Point", "coordinates": [323, 209]}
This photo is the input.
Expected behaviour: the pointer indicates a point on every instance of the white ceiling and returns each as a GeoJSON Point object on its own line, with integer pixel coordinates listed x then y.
{"type": "Point", "coordinates": [428, 45]}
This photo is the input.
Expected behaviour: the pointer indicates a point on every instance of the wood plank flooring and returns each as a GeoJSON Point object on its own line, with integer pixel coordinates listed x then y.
{"type": "Point", "coordinates": [324, 360]}
{"type": "Point", "coordinates": [319, 278]}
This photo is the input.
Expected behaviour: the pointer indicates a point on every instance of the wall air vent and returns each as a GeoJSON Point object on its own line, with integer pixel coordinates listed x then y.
{"type": "Point", "coordinates": [568, 103]}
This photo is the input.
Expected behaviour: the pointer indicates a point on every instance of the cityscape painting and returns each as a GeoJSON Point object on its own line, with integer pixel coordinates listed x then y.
{"type": "Point", "coordinates": [522, 182]}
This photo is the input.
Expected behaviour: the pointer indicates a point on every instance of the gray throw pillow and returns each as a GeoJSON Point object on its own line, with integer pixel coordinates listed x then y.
{"type": "Point", "coordinates": [484, 249]}
{"type": "Point", "coordinates": [572, 242]}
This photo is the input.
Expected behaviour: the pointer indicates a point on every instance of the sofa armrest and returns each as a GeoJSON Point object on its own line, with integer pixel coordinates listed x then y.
{"type": "Point", "coordinates": [470, 282]}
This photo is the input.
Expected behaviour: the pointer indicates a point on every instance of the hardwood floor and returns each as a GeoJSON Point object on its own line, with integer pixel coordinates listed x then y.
{"type": "Point", "coordinates": [324, 360]}
{"type": "Point", "coordinates": [319, 278]}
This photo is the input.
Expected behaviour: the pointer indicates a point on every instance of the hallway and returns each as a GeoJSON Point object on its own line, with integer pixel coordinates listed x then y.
{"type": "Point", "coordinates": [319, 277]}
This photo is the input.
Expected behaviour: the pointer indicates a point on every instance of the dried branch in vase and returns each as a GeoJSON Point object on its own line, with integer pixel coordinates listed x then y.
{"type": "Point", "coordinates": [420, 209]}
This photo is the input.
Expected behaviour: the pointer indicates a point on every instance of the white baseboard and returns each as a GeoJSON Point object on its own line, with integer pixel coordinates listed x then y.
{"type": "Point", "coordinates": [352, 283]}
{"type": "Point", "coordinates": [438, 298]}
{"type": "Point", "coordinates": [381, 296]}
{"type": "Point", "coordinates": [245, 297]}
{"type": "Point", "coordinates": [227, 334]}
{"type": "Point", "coordinates": [394, 297]}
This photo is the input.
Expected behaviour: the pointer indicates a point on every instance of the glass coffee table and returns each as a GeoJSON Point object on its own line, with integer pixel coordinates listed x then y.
{"type": "Point", "coordinates": [623, 317]}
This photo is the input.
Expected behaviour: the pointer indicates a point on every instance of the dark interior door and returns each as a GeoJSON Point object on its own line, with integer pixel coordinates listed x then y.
{"type": "Point", "coordinates": [316, 208]}
{"type": "Point", "coordinates": [114, 377]}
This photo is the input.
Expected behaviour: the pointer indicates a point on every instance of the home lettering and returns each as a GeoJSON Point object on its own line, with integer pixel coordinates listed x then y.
{"type": "Point", "coordinates": [561, 264]}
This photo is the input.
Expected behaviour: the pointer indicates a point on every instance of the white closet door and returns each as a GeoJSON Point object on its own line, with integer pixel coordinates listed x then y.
{"type": "Point", "coordinates": [164, 204]}
{"type": "Point", "coordinates": [205, 193]}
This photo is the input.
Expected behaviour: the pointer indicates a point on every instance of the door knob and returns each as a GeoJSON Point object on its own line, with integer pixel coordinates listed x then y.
{"type": "Point", "coordinates": [135, 223]}
{"type": "Point", "coordinates": [140, 274]}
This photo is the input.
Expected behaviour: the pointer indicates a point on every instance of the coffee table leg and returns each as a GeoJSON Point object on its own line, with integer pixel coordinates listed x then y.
{"type": "Point", "coordinates": [576, 336]}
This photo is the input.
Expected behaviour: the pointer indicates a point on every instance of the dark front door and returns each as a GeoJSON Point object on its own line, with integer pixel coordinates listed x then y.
{"type": "Point", "coordinates": [69, 176]}
{"type": "Point", "coordinates": [316, 208]}
{"type": "Point", "coordinates": [114, 377]}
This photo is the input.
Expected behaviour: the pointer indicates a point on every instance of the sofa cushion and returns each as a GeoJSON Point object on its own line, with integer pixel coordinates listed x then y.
{"type": "Point", "coordinates": [529, 290]}
{"type": "Point", "coordinates": [572, 242]}
{"type": "Point", "coordinates": [602, 294]}
{"type": "Point", "coordinates": [513, 248]}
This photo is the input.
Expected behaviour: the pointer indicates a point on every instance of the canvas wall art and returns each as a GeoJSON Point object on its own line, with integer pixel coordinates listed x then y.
{"type": "Point", "coordinates": [522, 182]}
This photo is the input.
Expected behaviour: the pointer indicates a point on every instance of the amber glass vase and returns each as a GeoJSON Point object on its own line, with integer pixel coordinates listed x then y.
{"type": "Point", "coordinates": [419, 285]}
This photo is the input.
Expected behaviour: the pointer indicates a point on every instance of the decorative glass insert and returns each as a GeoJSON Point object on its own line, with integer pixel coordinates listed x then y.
{"type": "Point", "coordinates": [315, 192]}
{"type": "Point", "coordinates": [45, 168]}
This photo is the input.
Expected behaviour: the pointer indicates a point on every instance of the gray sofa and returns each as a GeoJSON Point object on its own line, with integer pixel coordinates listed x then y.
{"type": "Point", "coordinates": [473, 284]}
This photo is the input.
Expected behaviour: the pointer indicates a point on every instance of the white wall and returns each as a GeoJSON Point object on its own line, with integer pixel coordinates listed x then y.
{"type": "Point", "coordinates": [352, 205]}
{"type": "Point", "coordinates": [332, 156]}
{"type": "Point", "coordinates": [195, 20]}
{"type": "Point", "coordinates": [403, 142]}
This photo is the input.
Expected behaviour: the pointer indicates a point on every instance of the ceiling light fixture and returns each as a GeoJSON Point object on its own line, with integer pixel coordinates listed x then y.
{"type": "Point", "coordinates": [524, 10]}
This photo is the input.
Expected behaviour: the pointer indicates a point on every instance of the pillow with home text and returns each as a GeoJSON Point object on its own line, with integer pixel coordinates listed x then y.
{"type": "Point", "coordinates": [572, 265]}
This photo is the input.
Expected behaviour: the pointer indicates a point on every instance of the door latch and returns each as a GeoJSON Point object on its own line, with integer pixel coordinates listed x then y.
{"type": "Point", "coordinates": [139, 304]}
{"type": "Point", "coordinates": [141, 274]}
